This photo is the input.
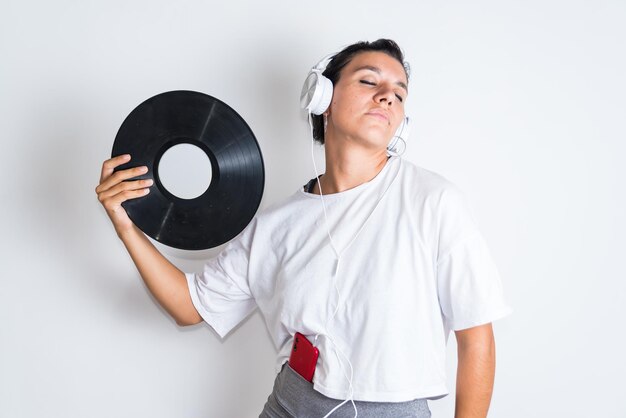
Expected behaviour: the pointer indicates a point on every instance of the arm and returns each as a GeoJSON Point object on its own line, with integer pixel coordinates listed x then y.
{"type": "Point", "coordinates": [475, 372]}
{"type": "Point", "coordinates": [166, 282]}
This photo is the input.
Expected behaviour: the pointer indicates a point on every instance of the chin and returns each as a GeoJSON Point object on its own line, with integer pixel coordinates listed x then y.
{"type": "Point", "coordinates": [376, 140]}
{"type": "Point", "coordinates": [375, 143]}
{"type": "Point", "coordinates": [370, 137]}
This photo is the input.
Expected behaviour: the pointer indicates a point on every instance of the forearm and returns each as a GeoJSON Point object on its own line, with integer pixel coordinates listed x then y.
{"type": "Point", "coordinates": [474, 382]}
{"type": "Point", "coordinates": [165, 281]}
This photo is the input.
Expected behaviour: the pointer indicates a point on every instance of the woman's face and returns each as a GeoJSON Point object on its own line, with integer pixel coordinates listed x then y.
{"type": "Point", "coordinates": [368, 100]}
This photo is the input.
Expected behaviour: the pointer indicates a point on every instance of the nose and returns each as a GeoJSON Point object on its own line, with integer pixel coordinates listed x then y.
{"type": "Point", "coordinates": [385, 94]}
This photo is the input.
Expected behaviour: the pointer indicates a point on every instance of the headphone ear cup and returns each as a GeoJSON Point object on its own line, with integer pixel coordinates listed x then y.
{"type": "Point", "coordinates": [317, 92]}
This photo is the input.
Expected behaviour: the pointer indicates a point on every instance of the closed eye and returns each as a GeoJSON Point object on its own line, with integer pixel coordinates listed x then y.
{"type": "Point", "coordinates": [369, 83]}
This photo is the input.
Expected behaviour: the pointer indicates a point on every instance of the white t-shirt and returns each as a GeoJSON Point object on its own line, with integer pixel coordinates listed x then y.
{"type": "Point", "coordinates": [418, 269]}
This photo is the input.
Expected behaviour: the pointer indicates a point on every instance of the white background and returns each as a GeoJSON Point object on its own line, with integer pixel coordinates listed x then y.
{"type": "Point", "coordinates": [520, 103]}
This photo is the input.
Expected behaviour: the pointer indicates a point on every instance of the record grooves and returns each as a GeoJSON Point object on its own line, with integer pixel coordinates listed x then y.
{"type": "Point", "coordinates": [237, 178]}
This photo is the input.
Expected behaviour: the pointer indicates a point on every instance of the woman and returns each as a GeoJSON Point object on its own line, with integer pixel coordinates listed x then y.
{"type": "Point", "coordinates": [375, 261]}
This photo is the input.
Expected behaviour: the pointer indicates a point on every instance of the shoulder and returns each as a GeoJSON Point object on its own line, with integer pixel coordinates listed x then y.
{"type": "Point", "coordinates": [283, 212]}
{"type": "Point", "coordinates": [441, 202]}
{"type": "Point", "coordinates": [282, 206]}
{"type": "Point", "coordinates": [429, 184]}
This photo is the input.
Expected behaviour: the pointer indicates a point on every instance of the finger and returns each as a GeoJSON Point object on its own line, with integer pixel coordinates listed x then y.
{"type": "Point", "coordinates": [124, 186]}
{"type": "Point", "coordinates": [120, 176]}
{"type": "Point", "coordinates": [109, 165]}
{"type": "Point", "coordinates": [115, 202]}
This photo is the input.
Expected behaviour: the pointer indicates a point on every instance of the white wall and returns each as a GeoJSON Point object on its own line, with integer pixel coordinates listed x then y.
{"type": "Point", "coordinates": [519, 103]}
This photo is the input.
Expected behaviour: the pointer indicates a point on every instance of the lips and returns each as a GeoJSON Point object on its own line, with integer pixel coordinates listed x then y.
{"type": "Point", "coordinates": [380, 114]}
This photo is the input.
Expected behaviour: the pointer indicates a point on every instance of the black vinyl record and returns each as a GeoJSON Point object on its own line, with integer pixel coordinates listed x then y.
{"type": "Point", "coordinates": [237, 178]}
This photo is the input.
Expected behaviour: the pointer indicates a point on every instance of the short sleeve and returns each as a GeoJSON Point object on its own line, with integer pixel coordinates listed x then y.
{"type": "Point", "coordinates": [221, 293]}
{"type": "Point", "coordinates": [468, 282]}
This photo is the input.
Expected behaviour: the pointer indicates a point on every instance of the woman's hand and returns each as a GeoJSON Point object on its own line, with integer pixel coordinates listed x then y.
{"type": "Point", "coordinates": [113, 190]}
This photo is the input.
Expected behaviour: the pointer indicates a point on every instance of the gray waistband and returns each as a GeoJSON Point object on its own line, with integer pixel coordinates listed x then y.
{"type": "Point", "coordinates": [293, 396]}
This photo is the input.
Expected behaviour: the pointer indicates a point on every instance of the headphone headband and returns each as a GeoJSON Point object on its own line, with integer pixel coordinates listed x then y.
{"type": "Point", "coordinates": [323, 63]}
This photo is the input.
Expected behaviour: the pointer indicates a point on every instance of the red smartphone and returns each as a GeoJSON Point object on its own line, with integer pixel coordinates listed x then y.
{"type": "Point", "coordinates": [303, 356]}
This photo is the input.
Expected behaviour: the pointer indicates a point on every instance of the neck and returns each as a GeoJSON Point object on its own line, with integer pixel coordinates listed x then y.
{"type": "Point", "coordinates": [349, 166]}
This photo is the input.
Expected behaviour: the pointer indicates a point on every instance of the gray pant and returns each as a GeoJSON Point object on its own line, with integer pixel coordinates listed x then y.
{"type": "Point", "coordinates": [294, 397]}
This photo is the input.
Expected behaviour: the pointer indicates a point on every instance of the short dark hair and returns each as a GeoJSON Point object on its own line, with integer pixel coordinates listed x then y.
{"type": "Point", "coordinates": [343, 58]}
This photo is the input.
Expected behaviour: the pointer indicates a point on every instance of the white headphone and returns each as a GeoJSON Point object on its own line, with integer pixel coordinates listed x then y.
{"type": "Point", "coordinates": [317, 93]}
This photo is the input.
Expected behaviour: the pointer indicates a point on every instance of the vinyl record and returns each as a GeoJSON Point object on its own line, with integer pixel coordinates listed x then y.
{"type": "Point", "coordinates": [237, 178]}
